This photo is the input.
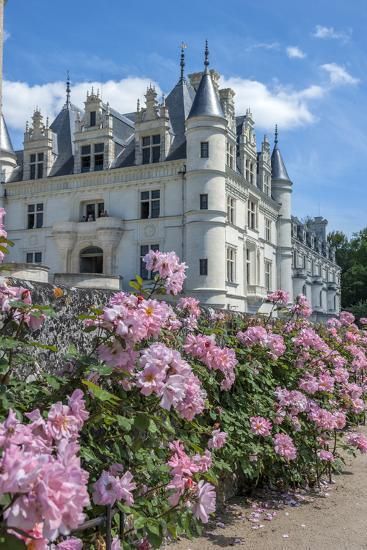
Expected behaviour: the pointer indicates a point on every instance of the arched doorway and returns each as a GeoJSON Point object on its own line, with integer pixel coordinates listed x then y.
{"type": "Point", "coordinates": [91, 260]}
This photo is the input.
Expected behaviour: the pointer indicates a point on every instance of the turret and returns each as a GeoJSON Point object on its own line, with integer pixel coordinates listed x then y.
{"type": "Point", "coordinates": [205, 201]}
{"type": "Point", "coordinates": [282, 194]}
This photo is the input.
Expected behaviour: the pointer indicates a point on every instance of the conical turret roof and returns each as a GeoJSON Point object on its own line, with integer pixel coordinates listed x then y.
{"type": "Point", "coordinates": [5, 141]}
{"type": "Point", "coordinates": [278, 169]}
{"type": "Point", "coordinates": [206, 102]}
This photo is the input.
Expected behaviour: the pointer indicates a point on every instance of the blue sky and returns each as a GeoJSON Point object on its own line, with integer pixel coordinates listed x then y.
{"type": "Point", "coordinates": [301, 64]}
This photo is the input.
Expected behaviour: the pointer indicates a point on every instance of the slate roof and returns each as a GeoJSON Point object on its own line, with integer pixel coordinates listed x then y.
{"type": "Point", "coordinates": [63, 127]}
{"type": "Point", "coordinates": [179, 103]}
{"type": "Point", "coordinates": [206, 102]}
{"type": "Point", "coordinates": [278, 169]}
{"type": "Point", "coordinates": [5, 141]}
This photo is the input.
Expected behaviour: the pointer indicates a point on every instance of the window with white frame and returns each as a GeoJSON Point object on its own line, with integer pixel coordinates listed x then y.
{"type": "Point", "coordinates": [150, 204]}
{"type": "Point", "coordinates": [248, 266]}
{"type": "Point", "coordinates": [231, 208]}
{"type": "Point", "coordinates": [248, 169]}
{"type": "Point", "coordinates": [268, 230]}
{"type": "Point", "coordinates": [230, 155]}
{"type": "Point", "coordinates": [231, 264]}
{"type": "Point", "coordinates": [36, 161]}
{"type": "Point", "coordinates": [35, 216]}
{"type": "Point", "coordinates": [99, 156]}
{"type": "Point", "coordinates": [34, 257]}
{"type": "Point", "coordinates": [144, 249]}
{"type": "Point", "coordinates": [85, 158]}
{"type": "Point", "coordinates": [267, 184]}
{"type": "Point", "coordinates": [151, 148]}
{"type": "Point", "coordinates": [252, 214]}
{"type": "Point", "coordinates": [252, 172]}
{"type": "Point", "coordinates": [268, 275]}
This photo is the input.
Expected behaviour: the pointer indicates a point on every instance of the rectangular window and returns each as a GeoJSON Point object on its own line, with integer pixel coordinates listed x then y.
{"type": "Point", "coordinates": [150, 204]}
{"type": "Point", "coordinates": [93, 118]}
{"type": "Point", "coordinates": [204, 149]}
{"type": "Point", "coordinates": [34, 257]}
{"type": "Point", "coordinates": [231, 204]}
{"type": "Point", "coordinates": [231, 264]}
{"type": "Point", "coordinates": [151, 149]}
{"type": "Point", "coordinates": [268, 275]}
{"type": "Point", "coordinates": [85, 158]}
{"type": "Point", "coordinates": [252, 173]}
{"type": "Point", "coordinates": [204, 202]}
{"type": "Point", "coordinates": [203, 266]}
{"type": "Point", "coordinates": [252, 214]}
{"type": "Point", "coordinates": [144, 249]}
{"type": "Point", "coordinates": [268, 230]}
{"type": "Point", "coordinates": [267, 185]}
{"type": "Point", "coordinates": [98, 156]}
{"type": "Point", "coordinates": [36, 165]}
{"type": "Point", "coordinates": [248, 266]}
{"type": "Point", "coordinates": [35, 216]}
{"type": "Point", "coordinates": [94, 210]}
{"type": "Point", "coordinates": [230, 155]}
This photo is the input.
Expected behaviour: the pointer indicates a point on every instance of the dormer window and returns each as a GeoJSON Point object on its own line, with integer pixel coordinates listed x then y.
{"type": "Point", "coordinates": [85, 158]}
{"type": "Point", "coordinates": [99, 156]}
{"type": "Point", "coordinates": [151, 148]}
{"type": "Point", "coordinates": [36, 165]}
{"type": "Point", "coordinates": [93, 118]}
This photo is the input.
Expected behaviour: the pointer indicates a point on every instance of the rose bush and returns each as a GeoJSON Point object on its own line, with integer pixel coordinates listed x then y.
{"type": "Point", "coordinates": [170, 401]}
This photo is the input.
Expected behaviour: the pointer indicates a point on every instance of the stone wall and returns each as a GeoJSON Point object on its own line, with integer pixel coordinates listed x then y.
{"type": "Point", "coordinates": [64, 329]}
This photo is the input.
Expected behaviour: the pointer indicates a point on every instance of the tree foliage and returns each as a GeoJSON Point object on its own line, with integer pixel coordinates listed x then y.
{"type": "Point", "coordinates": [351, 255]}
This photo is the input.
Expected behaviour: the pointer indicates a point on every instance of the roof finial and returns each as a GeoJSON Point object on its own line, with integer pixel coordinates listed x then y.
{"type": "Point", "coordinates": [182, 61]}
{"type": "Point", "coordinates": [68, 90]}
{"type": "Point", "coordinates": [206, 60]}
{"type": "Point", "coordinates": [276, 135]}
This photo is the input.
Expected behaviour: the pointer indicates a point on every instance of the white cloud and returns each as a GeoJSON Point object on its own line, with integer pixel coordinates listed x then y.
{"type": "Point", "coordinates": [338, 75]}
{"type": "Point", "coordinates": [330, 33]}
{"type": "Point", "coordinates": [282, 106]}
{"type": "Point", "coordinates": [263, 46]}
{"type": "Point", "coordinates": [294, 52]}
{"type": "Point", "coordinates": [6, 35]}
{"type": "Point", "coordinates": [20, 98]}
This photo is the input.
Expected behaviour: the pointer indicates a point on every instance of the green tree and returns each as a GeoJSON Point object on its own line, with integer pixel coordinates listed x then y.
{"type": "Point", "coordinates": [351, 255]}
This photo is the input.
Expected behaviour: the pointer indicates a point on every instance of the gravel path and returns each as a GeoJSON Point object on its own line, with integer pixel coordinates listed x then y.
{"type": "Point", "coordinates": [336, 519]}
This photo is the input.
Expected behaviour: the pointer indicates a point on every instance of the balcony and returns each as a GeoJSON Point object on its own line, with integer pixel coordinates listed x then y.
{"type": "Point", "coordinates": [88, 280]}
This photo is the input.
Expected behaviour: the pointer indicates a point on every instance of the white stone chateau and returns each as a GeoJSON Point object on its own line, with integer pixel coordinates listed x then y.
{"type": "Point", "coordinates": [93, 191]}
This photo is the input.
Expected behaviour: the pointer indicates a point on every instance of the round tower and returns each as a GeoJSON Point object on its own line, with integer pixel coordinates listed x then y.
{"type": "Point", "coordinates": [282, 193]}
{"type": "Point", "coordinates": [205, 196]}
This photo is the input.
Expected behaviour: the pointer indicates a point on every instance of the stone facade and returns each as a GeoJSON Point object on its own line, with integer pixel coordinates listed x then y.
{"type": "Point", "coordinates": [94, 190]}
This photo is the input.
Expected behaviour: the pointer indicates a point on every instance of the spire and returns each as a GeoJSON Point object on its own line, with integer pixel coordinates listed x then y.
{"type": "Point", "coordinates": [278, 169]}
{"type": "Point", "coordinates": [206, 102]}
{"type": "Point", "coordinates": [206, 59]}
{"type": "Point", "coordinates": [68, 90]}
{"type": "Point", "coordinates": [182, 62]}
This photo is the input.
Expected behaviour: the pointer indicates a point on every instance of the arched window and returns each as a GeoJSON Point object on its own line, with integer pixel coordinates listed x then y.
{"type": "Point", "coordinates": [304, 290]}
{"type": "Point", "coordinates": [320, 298]}
{"type": "Point", "coordinates": [91, 260]}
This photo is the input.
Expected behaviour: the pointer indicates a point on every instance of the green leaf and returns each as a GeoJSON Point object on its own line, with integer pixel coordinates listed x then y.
{"type": "Point", "coordinates": [153, 526]}
{"type": "Point", "coordinates": [141, 421]}
{"type": "Point", "coordinates": [41, 346]}
{"type": "Point", "coordinates": [101, 394]}
{"type": "Point", "coordinates": [140, 522]}
{"type": "Point", "coordinates": [124, 422]}
{"type": "Point", "coordinates": [134, 285]}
